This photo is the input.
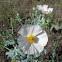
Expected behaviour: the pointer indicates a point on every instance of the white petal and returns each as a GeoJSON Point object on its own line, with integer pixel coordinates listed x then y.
{"type": "Point", "coordinates": [39, 7]}
{"type": "Point", "coordinates": [26, 30]}
{"type": "Point", "coordinates": [21, 41]}
{"type": "Point", "coordinates": [45, 6]}
{"type": "Point", "coordinates": [31, 50]}
{"type": "Point", "coordinates": [26, 48]}
{"type": "Point", "coordinates": [23, 31]}
{"type": "Point", "coordinates": [50, 10]}
{"type": "Point", "coordinates": [30, 29]}
{"type": "Point", "coordinates": [44, 9]}
{"type": "Point", "coordinates": [37, 29]}
{"type": "Point", "coordinates": [42, 39]}
{"type": "Point", "coordinates": [38, 47]}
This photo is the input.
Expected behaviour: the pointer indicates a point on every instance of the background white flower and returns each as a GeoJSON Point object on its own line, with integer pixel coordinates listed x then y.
{"type": "Point", "coordinates": [32, 39]}
{"type": "Point", "coordinates": [39, 7]}
{"type": "Point", "coordinates": [44, 9]}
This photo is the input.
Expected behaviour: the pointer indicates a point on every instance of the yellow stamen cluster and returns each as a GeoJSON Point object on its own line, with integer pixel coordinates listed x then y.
{"type": "Point", "coordinates": [31, 39]}
{"type": "Point", "coordinates": [47, 11]}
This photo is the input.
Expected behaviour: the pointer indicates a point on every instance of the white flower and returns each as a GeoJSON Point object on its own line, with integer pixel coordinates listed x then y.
{"type": "Point", "coordinates": [39, 7]}
{"type": "Point", "coordinates": [32, 39]}
{"type": "Point", "coordinates": [44, 9]}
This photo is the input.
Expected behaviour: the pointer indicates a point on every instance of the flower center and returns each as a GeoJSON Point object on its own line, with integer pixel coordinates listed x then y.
{"type": "Point", "coordinates": [47, 11]}
{"type": "Point", "coordinates": [31, 38]}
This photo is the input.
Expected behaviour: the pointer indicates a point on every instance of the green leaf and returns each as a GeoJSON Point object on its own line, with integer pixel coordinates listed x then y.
{"type": "Point", "coordinates": [9, 42]}
{"type": "Point", "coordinates": [61, 27]}
{"type": "Point", "coordinates": [18, 18]}
{"type": "Point", "coordinates": [14, 60]}
{"type": "Point", "coordinates": [14, 53]}
{"type": "Point", "coordinates": [55, 26]}
{"type": "Point", "coordinates": [10, 34]}
{"type": "Point", "coordinates": [48, 20]}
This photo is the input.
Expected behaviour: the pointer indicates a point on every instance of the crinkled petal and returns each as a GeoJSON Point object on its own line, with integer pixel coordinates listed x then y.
{"type": "Point", "coordinates": [26, 30]}
{"type": "Point", "coordinates": [50, 10]}
{"type": "Point", "coordinates": [42, 39]}
{"type": "Point", "coordinates": [38, 47]}
{"type": "Point", "coordinates": [23, 31]}
{"type": "Point", "coordinates": [45, 6]}
{"type": "Point", "coordinates": [44, 9]}
{"type": "Point", "coordinates": [31, 50]}
{"type": "Point", "coordinates": [36, 30]}
{"type": "Point", "coordinates": [21, 41]}
{"type": "Point", "coordinates": [39, 7]}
